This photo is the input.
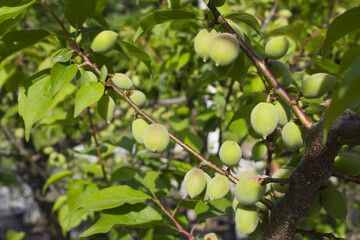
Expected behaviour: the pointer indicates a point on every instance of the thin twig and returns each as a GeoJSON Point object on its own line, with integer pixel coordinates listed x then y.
{"type": "Point", "coordinates": [300, 114]}
{"type": "Point", "coordinates": [13, 141]}
{"type": "Point", "coordinates": [321, 235]}
{"type": "Point", "coordinates": [266, 180]}
{"type": "Point", "coordinates": [269, 17]}
{"type": "Point", "coordinates": [179, 227]}
{"type": "Point", "coordinates": [101, 161]}
{"type": "Point", "coordinates": [347, 177]}
{"type": "Point", "coordinates": [302, 48]}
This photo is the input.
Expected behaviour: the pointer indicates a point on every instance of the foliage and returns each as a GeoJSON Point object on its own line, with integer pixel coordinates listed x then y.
{"type": "Point", "coordinates": [112, 183]}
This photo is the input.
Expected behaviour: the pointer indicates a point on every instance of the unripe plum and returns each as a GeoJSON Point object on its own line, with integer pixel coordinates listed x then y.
{"type": "Point", "coordinates": [281, 72]}
{"type": "Point", "coordinates": [259, 151]}
{"type": "Point", "coordinates": [314, 208]}
{"type": "Point", "coordinates": [293, 136]}
{"type": "Point", "coordinates": [218, 187]}
{"type": "Point", "coordinates": [104, 42]}
{"type": "Point", "coordinates": [248, 190]}
{"type": "Point", "coordinates": [224, 49]}
{"type": "Point", "coordinates": [211, 236]}
{"type": "Point", "coordinates": [348, 163]}
{"type": "Point", "coordinates": [246, 218]}
{"type": "Point", "coordinates": [334, 203]}
{"type": "Point", "coordinates": [195, 182]}
{"type": "Point", "coordinates": [202, 42]}
{"type": "Point", "coordinates": [317, 85]}
{"type": "Point", "coordinates": [283, 111]}
{"type": "Point", "coordinates": [276, 48]}
{"type": "Point", "coordinates": [242, 175]}
{"type": "Point", "coordinates": [264, 119]}
{"type": "Point", "coordinates": [156, 137]}
{"type": "Point", "coordinates": [138, 98]}
{"type": "Point", "coordinates": [237, 29]}
{"type": "Point", "coordinates": [106, 108]}
{"type": "Point", "coordinates": [205, 194]}
{"type": "Point", "coordinates": [122, 81]}
{"type": "Point", "coordinates": [284, 172]}
{"type": "Point", "coordinates": [230, 153]}
{"type": "Point", "coordinates": [138, 128]}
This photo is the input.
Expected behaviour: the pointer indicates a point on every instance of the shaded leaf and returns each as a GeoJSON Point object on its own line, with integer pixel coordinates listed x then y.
{"type": "Point", "coordinates": [348, 57]}
{"type": "Point", "coordinates": [158, 17]}
{"type": "Point", "coordinates": [341, 26]}
{"type": "Point", "coordinates": [206, 79]}
{"type": "Point", "coordinates": [245, 18]}
{"type": "Point", "coordinates": [61, 75]}
{"type": "Point", "coordinates": [56, 178]}
{"type": "Point", "coordinates": [87, 95]}
{"type": "Point", "coordinates": [347, 94]}
{"type": "Point", "coordinates": [136, 52]}
{"type": "Point", "coordinates": [76, 11]}
{"type": "Point", "coordinates": [213, 208]}
{"type": "Point", "coordinates": [14, 41]}
{"type": "Point", "coordinates": [112, 197]}
{"type": "Point", "coordinates": [137, 215]}
{"type": "Point", "coordinates": [293, 31]}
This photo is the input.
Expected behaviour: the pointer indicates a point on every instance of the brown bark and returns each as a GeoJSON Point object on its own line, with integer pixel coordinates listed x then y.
{"type": "Point", "coordinates": [316, 166]}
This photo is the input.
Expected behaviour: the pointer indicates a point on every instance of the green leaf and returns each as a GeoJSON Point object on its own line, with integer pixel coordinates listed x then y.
{"type": "Point", "coordinates": [348, 57]}
{"type": "Point", "coordinates": [245, 18]}
{"type": "Point", "coordinates": [158, 17]}
{"type": "Point", "coordinates": [56, 178]}
{"type": "Point", "coordinates": [63, 56]}
{"type": "Point", "coordinates": [59, 202]}
{"type": "Point", "coordinates": [12, 10]}
{"type": "Point", "coordinates": [97, 12]}
{"type": "Point", "coordinates": [341, 26]}
{"type": "Point", "coordinates": [78, 192]}
{"type": "Point", "coordinates": [243, 112]}
{"type": "Point", "coordinates": [136, 52]}
{"type": "Point", "coordinates": [206, 79]}
{"type": "Point", "coordinates": [112, 197]}
{"type": "Point", "coordinates": [76, 11]}
{"type": "Point", "coordinates": [213, 208]}
{"type": "Point", "coordinates": [14, 41]}
{"type": "Point", "coordinates": [60, 76]}
{"type": "Point", "coordinates": [346, 95]}
{"type": "Point", "coordinates": [293, 31]}
{"type": "Point", "coordinates": [13, 235]}
{"type": "Point", "coordinates": [191, 139]}
{"type": "Point", "coordinates": [35, 98]}
{"type": "Point", "coordinates": [87, 95]}
{"type": "Point", "coordinates": [137, 215]}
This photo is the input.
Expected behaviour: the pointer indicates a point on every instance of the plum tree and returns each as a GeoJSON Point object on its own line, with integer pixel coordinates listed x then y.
{"type": "Point", "coordinates": [347, 162]}
{"type": "Point", "coordinates": [334, 203]}
{"type": "Point", "coordinates": [224, 49]}
{"type": "Point", "coordinates": [195, 182]}
{"type": "Point", "coordinates": [293, 136]}
{"type": "Point", "coordinates": [156, 137]}
{"type": "Point", "coordinates": [248, 190]}
{"type": "Point", "coordinates": [221, 71]}
{"type": "Point", "coordinates": [122, 81]}
{"type": "Point", "coordinates": [138, 128]}
{"type": "Point", "coordinates": [230, 153]}
{"type": "Point", "coordinates": [104, 42]}
{"type": "Point", "coordinates": [246, 218]}
{"type": "Point", "coordinates": [218, 187]}
{"type": "Point", "coordinates": [264, 119]}
{"type": "Point", "coordinates": [317, 85]}
{"type": "Point", "coordinates": [202, 42]}
{"type": "Point", "coordinates": [277, 47]}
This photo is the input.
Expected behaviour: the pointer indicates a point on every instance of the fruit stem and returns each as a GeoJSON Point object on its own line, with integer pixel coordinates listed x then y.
{"type": "Point", "coordinates": [262, 68]}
